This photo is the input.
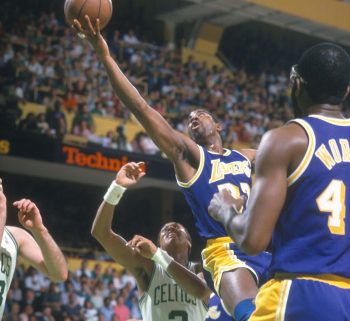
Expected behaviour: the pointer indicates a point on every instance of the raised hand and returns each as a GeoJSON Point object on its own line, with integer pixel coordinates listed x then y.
{"type": "Point", "coordinates": [223, 206]}
{"type": "Point", "coordinates": [143, 246]}
{"type": "Point", "coordinates": [130, 174]}
{"type": "Point", "coordinates": [93, 35]}
{"type": "Point", "coordinates": [29, 215]}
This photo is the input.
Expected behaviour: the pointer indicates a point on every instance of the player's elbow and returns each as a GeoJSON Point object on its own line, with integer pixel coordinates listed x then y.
{"type": "Point", "coordinates": [96, 233]}
{"type": "Point", "coordinates": [60, 276]}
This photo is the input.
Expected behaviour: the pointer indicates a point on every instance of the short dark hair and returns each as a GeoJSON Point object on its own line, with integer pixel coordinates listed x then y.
{"type": "Point", "coordinates": [325, 69]}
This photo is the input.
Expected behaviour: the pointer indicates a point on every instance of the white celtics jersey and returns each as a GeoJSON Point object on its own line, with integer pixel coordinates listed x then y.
{"type": "Point", "coordinates": [164, 300]}
{"type": "Point", "coordinates": [8, 252]}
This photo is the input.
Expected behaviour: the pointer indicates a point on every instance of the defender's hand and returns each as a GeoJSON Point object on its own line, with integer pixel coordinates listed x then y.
{"type": "Point", "coordinates": [143, 246]}
{"type": "Point", "coordinates": [93, 35]}
{"type": "Point", "coordinates": [29, 215]}
{"type": "Point", "coordinates": [224, 206]}
{"type": "Point", "coordinates": [130, 174]}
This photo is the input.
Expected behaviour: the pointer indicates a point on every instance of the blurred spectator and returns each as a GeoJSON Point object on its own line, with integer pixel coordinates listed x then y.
{"type": "Point", "coordinates": [107, 310]}
{"type": "Point", "coordinates": [47, 315]}
{"type": "Point", "coordinates": [29, 123]}
{"type": "Point", "coordinates": [90, 313]}
{"type": "Point", "coordinates": [121, 140]}
{"type": "Point", "coordinates": [121, 310]}
{"type": "Point", "coordinates": [130, 38]}
{"type": "Point", "coordinates": [144, 144]}
{"type": "Point", "coordinates": [72, 309]}
{"type": "Point", "coordinates": [83, 270]}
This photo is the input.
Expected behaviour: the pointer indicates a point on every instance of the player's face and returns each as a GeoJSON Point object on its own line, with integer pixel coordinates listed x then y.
{"type": "Point", "coordinates": [201, 125]}
{"type": "Point", "coordinates": [174, 235]}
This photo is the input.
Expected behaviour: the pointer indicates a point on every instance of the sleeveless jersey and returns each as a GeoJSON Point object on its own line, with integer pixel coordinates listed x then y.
{"type": "Point", "coordinates": [9, 251]}
{"type": "Point", "coordinates": [165, 300]}
{"type": "Point", "coordinates": [216, 310]}
{"type": "Point", "coordinates": [231, 170]}
{"type": "Point", "coordinates": [312, 235]}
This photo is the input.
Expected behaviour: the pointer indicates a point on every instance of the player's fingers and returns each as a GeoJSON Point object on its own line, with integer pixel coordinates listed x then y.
{"type": "Point", "coordinates": [137, 250]}
{"type": "Point", "coordinates": [30, 207]}
{"type": "Point", "coordinates": [142, 174]}
{"type": "Point", "coordinates": [240, 202]}
{"type": "Point", "coordinates": [26, 205]}
{"type": "Point", "coordinates": [141, 166]}
{"type": "Point", "coordinates": [98, 29]}
{"type": "Point", "coordinates": [91, 28]}
{"type": "Point", "coordinates": [77, 26]}
{"type": "Point", "coordinates": [19, 203]}
{"type": "Point", "coordinates": [132, 241]}
{"type": "Point", "coordinates": [133, 166]}
{"type": "Point", "coordinates": [128, 167]}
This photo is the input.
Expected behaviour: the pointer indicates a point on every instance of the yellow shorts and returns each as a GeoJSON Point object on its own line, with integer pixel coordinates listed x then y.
{"type": "Point", "coordinates": [219, 256]}
{"type": "Point", "coordinates": [301, 298]}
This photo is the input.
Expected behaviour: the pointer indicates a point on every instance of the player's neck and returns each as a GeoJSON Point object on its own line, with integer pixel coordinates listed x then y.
{"type": "Point", "coordinates": [180, 258]}
{"type": "Point", "coordinates": [333, 111]}
{"type": "Point", "coordinates": [215, 146]}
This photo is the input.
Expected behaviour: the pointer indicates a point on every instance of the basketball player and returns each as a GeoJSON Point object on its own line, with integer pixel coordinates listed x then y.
{"type": "Point", "coordinates": [154, 268]}
{"type": "Point", "coordinates": [202, 167]}
{"type": "Point", "coordinates": [41, 251]}
{"type": "Point", "coordinates": [301, 198]}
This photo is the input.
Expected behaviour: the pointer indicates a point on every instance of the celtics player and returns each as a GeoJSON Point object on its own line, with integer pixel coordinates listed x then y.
{"type": "Point", "coordinates": [301, 198]}
{"type": "Point", "coordinates": [38, 249]}
{"type": "Point", "coordinates": [155, 269]}
{"type": "Point", "coordinates": [202, 168]}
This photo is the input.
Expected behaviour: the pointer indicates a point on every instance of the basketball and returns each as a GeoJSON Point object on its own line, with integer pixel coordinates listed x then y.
{"type": "Point", "coordinates": [77, 9]}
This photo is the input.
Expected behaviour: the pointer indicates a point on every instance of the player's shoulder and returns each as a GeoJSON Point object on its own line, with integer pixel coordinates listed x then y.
{"type": "Point", "coordinates": [280, 145]}
{"type": "Point", "coordinates": [284, 137]}
{"type": "Point", "coordinates": [13, 234]}
{"type": "Point", "coordinates": [18, 233]}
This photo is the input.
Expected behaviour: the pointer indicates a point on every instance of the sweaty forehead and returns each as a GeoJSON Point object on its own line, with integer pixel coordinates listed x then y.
{"type": "Point", "coordinates": [198, 113]}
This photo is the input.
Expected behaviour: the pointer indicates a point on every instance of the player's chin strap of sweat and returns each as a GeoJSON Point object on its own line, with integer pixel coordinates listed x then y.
{"type": "Point", "coordinates": [114, 193]}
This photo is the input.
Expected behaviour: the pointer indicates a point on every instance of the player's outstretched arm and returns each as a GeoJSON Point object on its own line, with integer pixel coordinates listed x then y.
{"type": "Point", "coordinates": [252, 231]}
{"type": "Point", "coordinates": [42, 252]}
{"type": "Point", "coordinates": [174, 144]}
{"type": "Point", "coordinates": [113, 243]}
{"type": "Point", "coordinates": [3, 210]}
{"type": "Point", "coordinates": [186, 279]}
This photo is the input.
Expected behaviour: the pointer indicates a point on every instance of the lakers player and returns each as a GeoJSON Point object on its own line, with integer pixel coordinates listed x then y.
{"type": "Point", "coordinates": [202, 167]}
{"type": "Point", "coordinates": [41, 251]}
{"type": "Point", "coordinates": [155, 269]}
{"type": "Point", "coordinates": [301, 198]}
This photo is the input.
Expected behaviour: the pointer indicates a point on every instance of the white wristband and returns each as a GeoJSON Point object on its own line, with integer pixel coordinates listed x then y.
{"type": "Point", "coordinates": [114, 193]}
{"type": "Point", "coordinates": [162, 258]}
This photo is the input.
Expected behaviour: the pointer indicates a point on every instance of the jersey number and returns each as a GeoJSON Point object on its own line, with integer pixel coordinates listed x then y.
{"type": "Point", "coordinates": [332, 200]}
{"type": "Point", "coordinates": [178, 313]}
{"type": "Point", "coordinates": [2, 289]}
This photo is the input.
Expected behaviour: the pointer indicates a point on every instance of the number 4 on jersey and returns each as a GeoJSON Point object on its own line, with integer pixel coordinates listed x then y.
{"type": "Point", "coordinates": [332, 200]}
